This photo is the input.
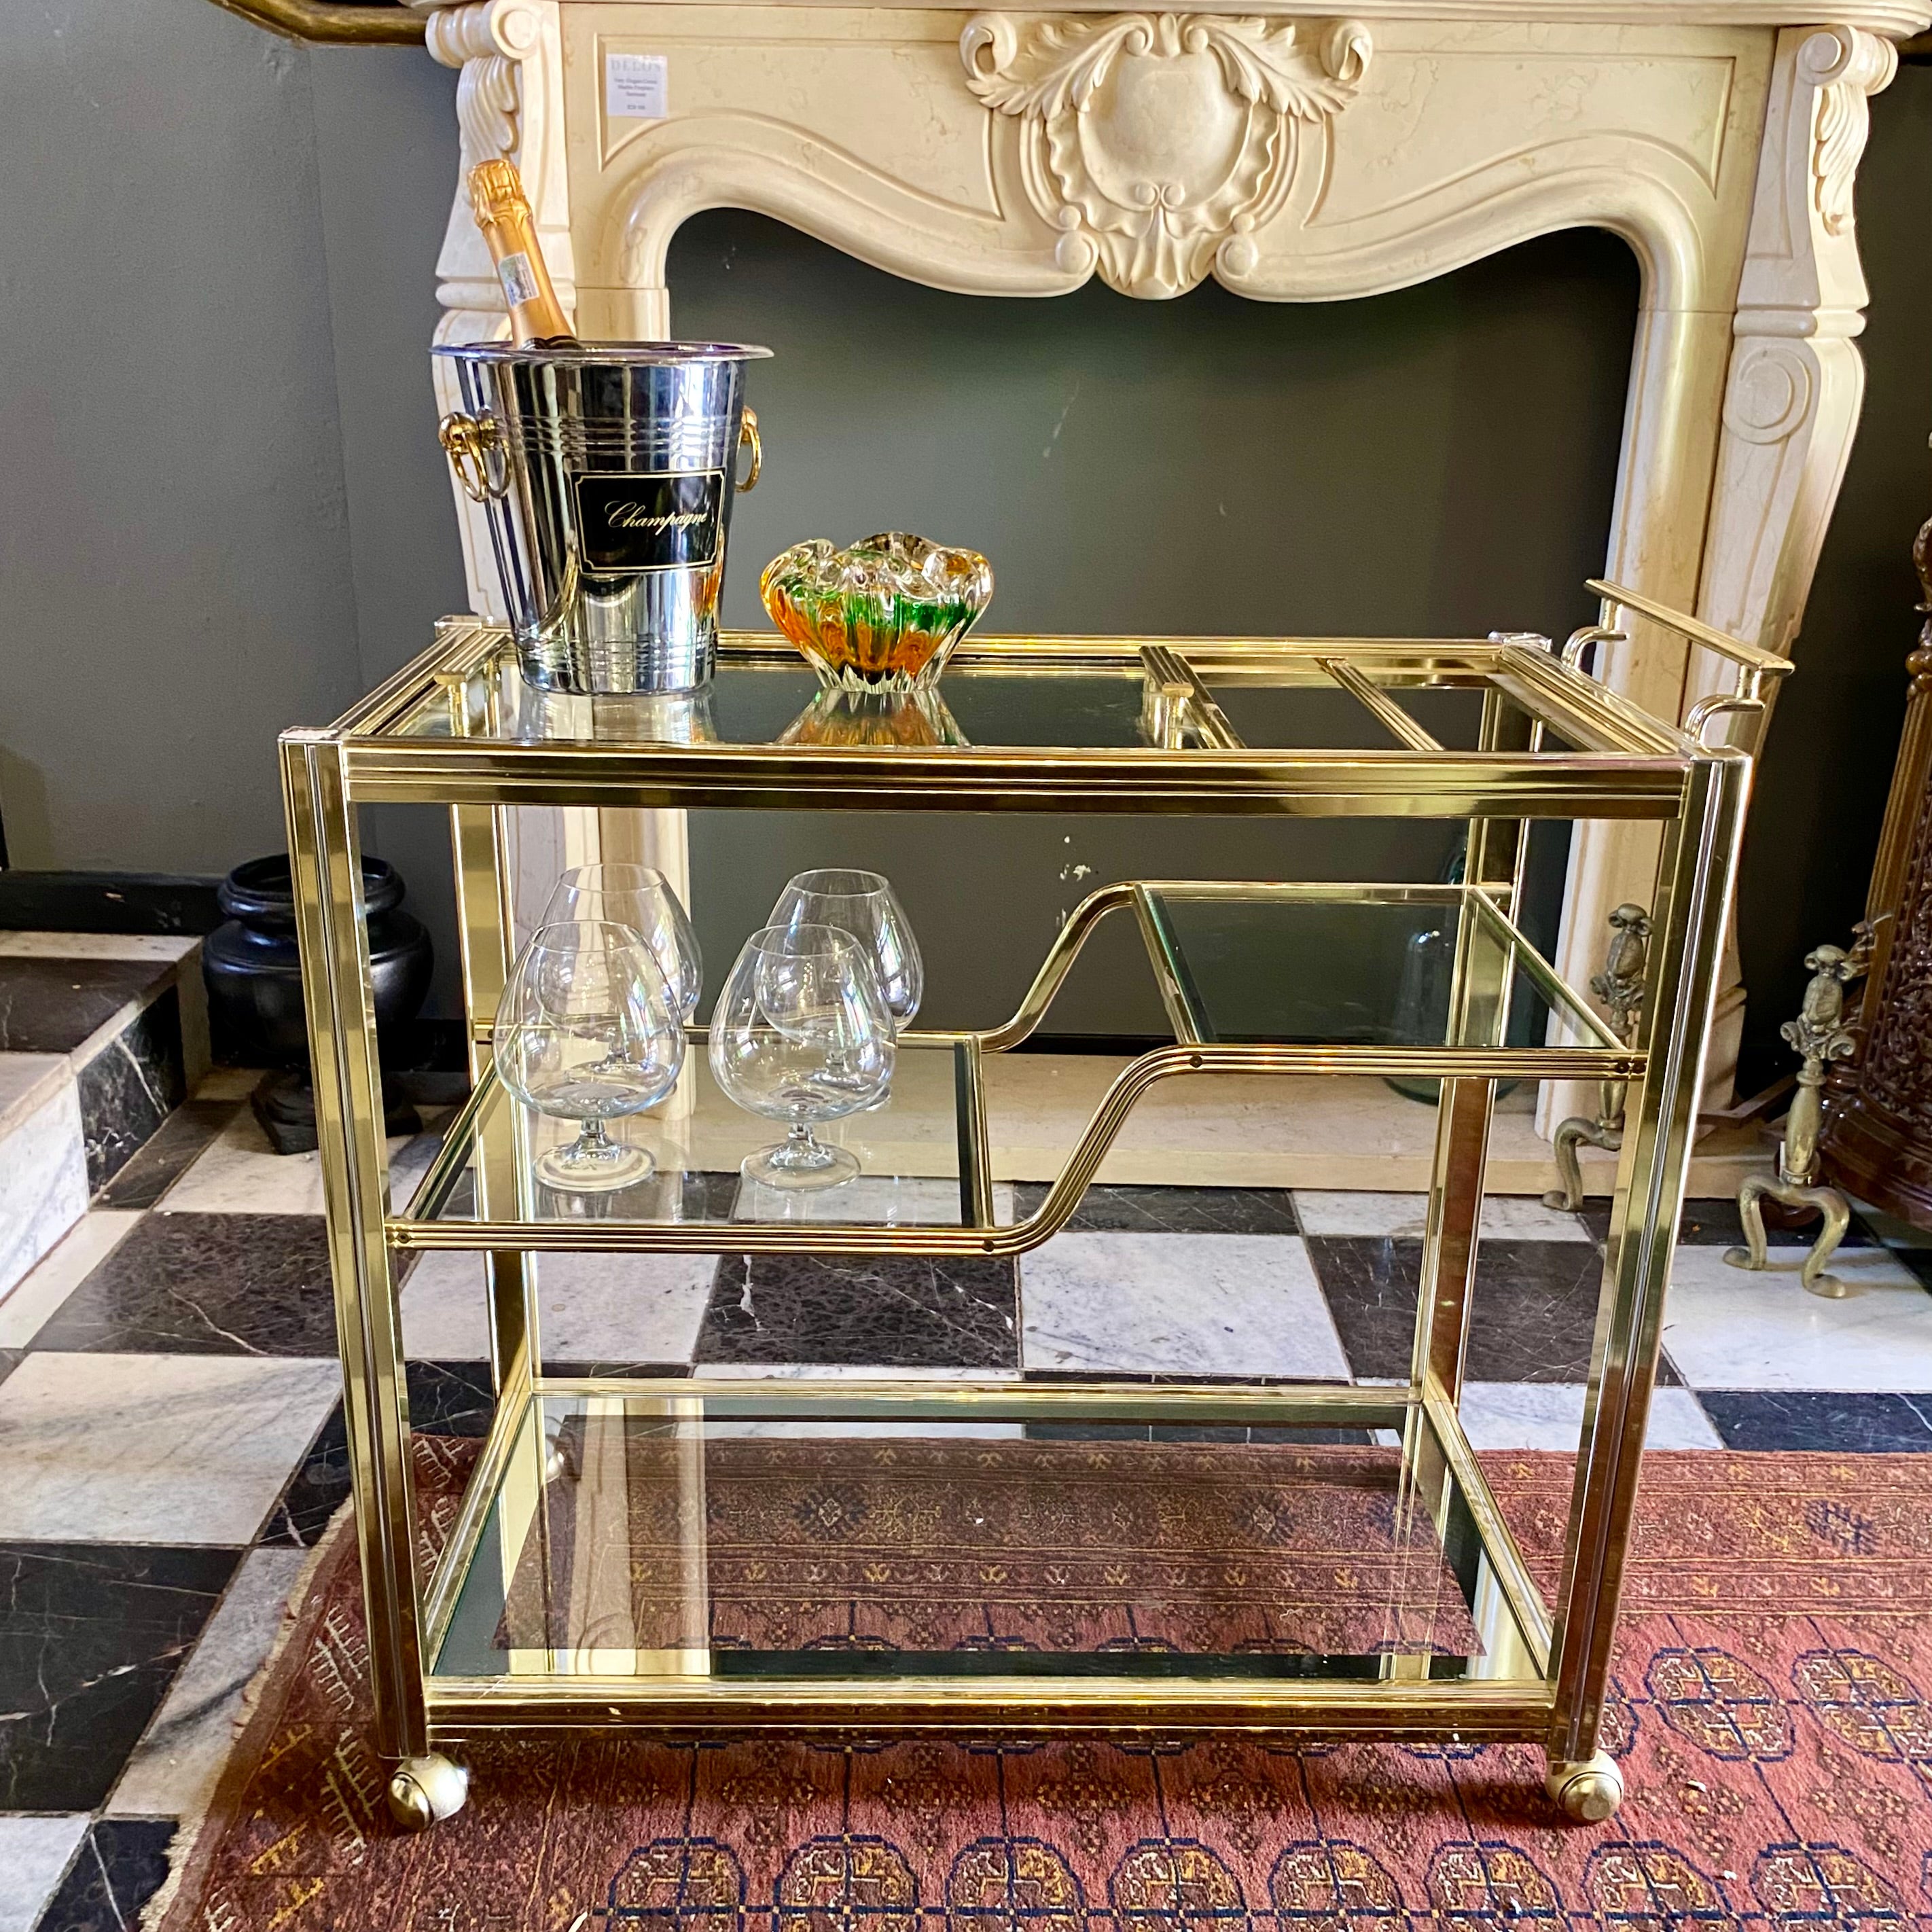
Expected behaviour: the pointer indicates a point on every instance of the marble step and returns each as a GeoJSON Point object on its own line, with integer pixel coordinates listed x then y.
{"type": "Point", "coordinates": [102, 1035]}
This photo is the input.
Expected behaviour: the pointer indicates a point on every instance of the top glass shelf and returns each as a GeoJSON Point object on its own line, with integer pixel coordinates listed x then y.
{"type": "Point", "coordinates": [1064, 695]}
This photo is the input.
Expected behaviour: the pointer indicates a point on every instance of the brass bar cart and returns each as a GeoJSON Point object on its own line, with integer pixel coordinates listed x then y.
{"type": "Point", "coordinates": [517, 1626]}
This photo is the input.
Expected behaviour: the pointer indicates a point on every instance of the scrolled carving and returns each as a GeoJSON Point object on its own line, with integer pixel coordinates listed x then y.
{"type": "Point", "coordinates": [486, 40]}
{"type": "Point", "coordinates": [1895, 1072]}
{"type": "Point", "coordinates": [1158, 142]}
{"type": "Point", "coordinates": [1846, 66]}
{"type": "Point", "coordinates": [1770, 392]}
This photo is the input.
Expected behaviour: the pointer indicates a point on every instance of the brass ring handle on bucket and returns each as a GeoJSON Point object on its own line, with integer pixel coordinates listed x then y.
{"type": "Point", "coordinates": [473, 445]}
{"type": "Point", "coordinates": [748, 432]}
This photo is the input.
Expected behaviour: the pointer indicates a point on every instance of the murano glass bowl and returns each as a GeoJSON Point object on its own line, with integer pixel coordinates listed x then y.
{"type": "Point", "coordinates": [908, 720]}
{"type": "Point", "coordinates": [884, 615]}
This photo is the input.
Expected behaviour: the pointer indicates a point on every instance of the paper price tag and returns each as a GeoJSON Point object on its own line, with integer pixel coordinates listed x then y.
{"type": "Point", "coordinates": [637, 87]}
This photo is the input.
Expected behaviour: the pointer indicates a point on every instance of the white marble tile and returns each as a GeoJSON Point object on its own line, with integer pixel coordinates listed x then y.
{"type": "Point", "coordinates": [592, 1308]}
{"type": "Point", "coordinates": [1266, 1130]}
{"type": "Point", "coordinates": [43, 1170]}
{"type": "Point", "coordinates": [159, 946]}
{"type": "Point", "coordinates": [1506, 1217]}
{"type": "Point", "coordinates": [127, 1448]}
{"type": "Point", "coordinates": [1725, 1329]}
{"type": "Point", "coordinates": [239, 1173]}
{"type": "Point", "coordinates": [1550, 1415]}
{"type": "Point", "coordinates": [59, 1272]}
{"type": "Point", "coordinates": [27, 1080]}
{"type": "Point", "coordinates": [35, 1854]}
{"type": "Point", "coordinates": [174, 1769]}
{"type": "Point", "coordinates": [1202, 1304]}
{"type": "Point", "coordinates": [874, 1199]}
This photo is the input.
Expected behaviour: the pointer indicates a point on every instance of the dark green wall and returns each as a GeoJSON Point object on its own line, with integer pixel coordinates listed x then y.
{"type": "Point", "coordinates": [1432, 462]}
{"type": "Point", "coordinates": [1822, 783]}
{"type": "Point", "coordinates": [225, 511]}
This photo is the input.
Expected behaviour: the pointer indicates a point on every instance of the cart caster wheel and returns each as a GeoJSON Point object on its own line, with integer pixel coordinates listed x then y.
{"type": "Point", "coordinates": [1588, 1792]}
{"type": "Point", "coordinates": [424, 1791]}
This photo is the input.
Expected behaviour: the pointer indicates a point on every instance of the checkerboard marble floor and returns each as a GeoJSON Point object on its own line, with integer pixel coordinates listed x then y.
{"type": "Point", "coordinates": [172, 1439]}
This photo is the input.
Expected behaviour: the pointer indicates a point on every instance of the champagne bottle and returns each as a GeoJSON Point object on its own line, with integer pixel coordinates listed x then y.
{"type": "Point", "coordinates": [502, 211]}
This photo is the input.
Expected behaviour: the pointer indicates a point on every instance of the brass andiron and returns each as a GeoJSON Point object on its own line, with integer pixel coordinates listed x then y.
{"type": "Point", "coordinates": [1620, 986]}
{"type": "Point", "coordinates": [1819, 1034]}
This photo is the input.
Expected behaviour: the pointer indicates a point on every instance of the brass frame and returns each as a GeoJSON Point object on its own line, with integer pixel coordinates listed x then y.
{"type": "Point", "coordinates": [333, 22]}
{"type": "Point", "coordinates": [1627, 765]}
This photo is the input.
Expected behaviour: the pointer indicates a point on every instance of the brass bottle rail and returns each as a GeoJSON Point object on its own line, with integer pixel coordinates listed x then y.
{"type": "Point", "coordinates": [327, 23]}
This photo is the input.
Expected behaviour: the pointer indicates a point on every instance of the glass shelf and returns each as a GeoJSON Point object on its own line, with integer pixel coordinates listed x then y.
{"type": "Point", "coordinates": [1068, 694]}
{"type": "Point", "coordinates": [1234, 959]}
{"type": "Point", "coordinates": [915, 1171]}
{"type": "Point", "coordinates": [1231, 961]}
{"type": "Point", "coordinates": [810, 1532]}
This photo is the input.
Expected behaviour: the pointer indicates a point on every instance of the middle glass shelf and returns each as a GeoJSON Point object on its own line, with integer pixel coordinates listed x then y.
{"type": "Point", "coordinates": [1447, 989]}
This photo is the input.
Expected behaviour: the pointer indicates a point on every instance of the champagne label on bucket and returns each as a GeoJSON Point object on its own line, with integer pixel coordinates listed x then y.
{"type": "Point", "coordinates": [656, 521]}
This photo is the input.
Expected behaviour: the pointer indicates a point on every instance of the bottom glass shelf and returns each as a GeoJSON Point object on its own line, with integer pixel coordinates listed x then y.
{"type": "Point", "coordinates": [809, 1533]}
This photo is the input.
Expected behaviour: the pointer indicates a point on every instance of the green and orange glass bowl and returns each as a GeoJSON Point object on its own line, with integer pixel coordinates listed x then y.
{"type": "Point", "coordinates": [882, 614]}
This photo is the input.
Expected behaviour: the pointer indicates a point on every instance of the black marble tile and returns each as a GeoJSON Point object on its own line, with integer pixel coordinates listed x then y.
{"type": "Point", "coordinates": [1171, 1210]}
{"type": "Point", "coordinates": [91, 1635]}
{"type": "Point", "coordinates": [51, 901]}
{"type": "Point", "coordinates": [188, 1131]}
{"type": "Point", "coordinates": [445, 1399]}
{"type": "Point", "coordinates": [122, 1862]}
{"type": "Point", "coordinates": [317, 1490]}
{"type": "Point", "coordinates": [129, 1088]}
{"type": "Point", "coordinates": [895, 1312]}
{"type": "Point", "coordinates": [695, 1195]}
{"type": "Point", "coordinates": [206, 1285]}
{"type": "Point", "coordinates": [450, 1398]}
{"type": "Point", "coordinates": [1819, 1419]}
{"type": "Point", "coordinates": [1917, 1260]}
{"type": "Point", "coordinates": [1715, 1224]}
{"type": "Point", "coordinates": [51, 1006]}
{"type": "Point", "coordinates": [1533, 1319]}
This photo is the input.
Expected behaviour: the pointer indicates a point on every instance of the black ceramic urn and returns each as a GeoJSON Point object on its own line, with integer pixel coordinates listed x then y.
{"type": "Point", "coordinates": [254, 971]}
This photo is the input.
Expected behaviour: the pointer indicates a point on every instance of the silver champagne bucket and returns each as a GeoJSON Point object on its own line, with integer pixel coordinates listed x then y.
{"type": "Point", "coordinates": [607, 472]}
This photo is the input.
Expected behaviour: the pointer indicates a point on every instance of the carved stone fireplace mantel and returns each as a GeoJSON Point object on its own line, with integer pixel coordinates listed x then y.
{"type": "Point", "coordinates": [1294, 155]}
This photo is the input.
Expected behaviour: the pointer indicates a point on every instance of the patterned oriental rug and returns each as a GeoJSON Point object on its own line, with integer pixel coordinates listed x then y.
{"type": "Point", "coordinates": [1771, 1710]}
{"type": "Point", "coordinates": [941, 1547]}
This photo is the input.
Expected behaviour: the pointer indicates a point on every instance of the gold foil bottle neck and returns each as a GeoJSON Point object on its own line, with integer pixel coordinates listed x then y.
{"type": "Point", "coordinates": [495, 190]}
{"type": "Point", "coordinates": [503, 218]}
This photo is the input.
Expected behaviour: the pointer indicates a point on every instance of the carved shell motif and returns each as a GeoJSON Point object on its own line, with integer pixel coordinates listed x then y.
{"type": "Point", "coordinates": [1158, 142]}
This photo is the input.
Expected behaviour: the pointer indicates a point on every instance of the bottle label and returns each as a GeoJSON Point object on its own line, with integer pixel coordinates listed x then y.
{"type": "Point", "coordinates": [655, 520]}
{"type": "Point", "coordinates": [519, 279]}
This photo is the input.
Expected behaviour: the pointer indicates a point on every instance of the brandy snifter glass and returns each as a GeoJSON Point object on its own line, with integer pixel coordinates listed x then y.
{"type": "Point", "coordinates": [864, 904]}
{"type": "Point", "coordinates": [588, 1030]}
{"type": "Point", "coordinates": [801, 1034]}
{"type": "Point", "coordinates": [643, 899]}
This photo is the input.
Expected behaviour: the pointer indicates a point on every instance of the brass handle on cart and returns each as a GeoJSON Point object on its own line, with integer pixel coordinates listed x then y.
{"type": "Point", "coordinates": [748, 432]}
{"type": "Point", "coordinates": [475, 447]}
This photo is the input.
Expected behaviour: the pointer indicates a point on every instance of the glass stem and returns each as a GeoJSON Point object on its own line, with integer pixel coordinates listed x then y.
{"type": "Point", "coordinates": [799, 1142]}
{"type": "Point", "coordinates": [591, 1138]}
